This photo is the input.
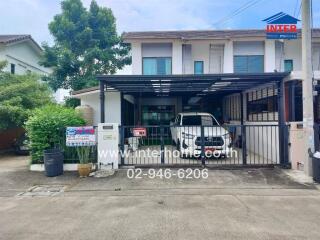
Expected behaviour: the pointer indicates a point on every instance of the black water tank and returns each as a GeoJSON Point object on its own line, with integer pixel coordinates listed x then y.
{"type": "Point", "coordinates": [53, 162]}
{"type": "Point", "coordinates": [316, 166]}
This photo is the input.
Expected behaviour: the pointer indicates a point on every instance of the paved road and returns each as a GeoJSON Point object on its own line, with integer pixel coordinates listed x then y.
{"type": "Point", "coordinates": [235, 204]}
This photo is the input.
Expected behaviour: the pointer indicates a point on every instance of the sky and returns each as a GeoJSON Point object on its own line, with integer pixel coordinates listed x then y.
{"type": "Point", "coordinates": [32, 16]}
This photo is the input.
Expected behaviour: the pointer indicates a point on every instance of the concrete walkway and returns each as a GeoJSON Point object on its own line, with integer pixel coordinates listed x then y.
{"type": "Point", "coordinates": [234, 204]}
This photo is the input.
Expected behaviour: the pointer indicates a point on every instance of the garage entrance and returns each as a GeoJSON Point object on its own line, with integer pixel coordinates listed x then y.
{"type": "Point", "coordinates": [252, 145]}
{"type": "Point", "coordinates": [197, 120]}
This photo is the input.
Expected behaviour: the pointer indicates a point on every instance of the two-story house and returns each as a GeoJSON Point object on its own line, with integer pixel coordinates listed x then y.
{"type": "Point", "coordinates": [22, 54]}
{"type": "Point", "coordinates": [215, 52]}
{"type": "Point", "coordinates": [242, 65]}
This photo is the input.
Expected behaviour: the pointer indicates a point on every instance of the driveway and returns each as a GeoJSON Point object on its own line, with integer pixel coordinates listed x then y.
{"type": "Point", "coordinates": [230, 204]}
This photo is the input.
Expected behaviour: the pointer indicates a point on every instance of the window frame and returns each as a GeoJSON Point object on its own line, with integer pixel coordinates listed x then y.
{"type": "Point", "coordinates": [268, 100]}
{"type": "Point", "coordinates": [247, 63]}
{"type": "Point", "coordinates": [12, 68]}
{"type": "Point", "coordinates": [202, 66]}
{"type": "Point", "coordinates": [284, 64]}
{"type": "Point", "coordinates": [156, 58]}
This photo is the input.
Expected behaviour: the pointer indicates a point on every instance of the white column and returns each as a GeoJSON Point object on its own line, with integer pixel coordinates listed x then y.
{"type": "Point", "coordinates": [176, 58]}
{"type": "Point", "coordinates": [113, 107]}
{"type": "Point", "coordinates": [228, 57]}
{"type": "Point", "coordinates": [269, 56]}
{"type": "Point", "coordinates": [136, 58]}
{"type": "Point", "coordinates": [307, 92]}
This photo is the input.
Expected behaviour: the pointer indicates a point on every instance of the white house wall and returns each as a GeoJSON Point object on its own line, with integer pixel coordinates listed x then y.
{"type": "Point", "coordinates": [24, 56]}
{"type": "Point", "coordinates": [248, 48]}
{"type": "Point", "coordinates": [292, 50]}
{"type": "Point", "coordinates": [273, 58]}
{"type": "Point", "coordinates": [112, 106]}
{"type": "Point", "coordinates": [136, 53]}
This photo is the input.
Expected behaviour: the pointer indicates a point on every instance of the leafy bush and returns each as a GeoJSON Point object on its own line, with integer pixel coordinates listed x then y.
{"type": "Point", "coordinates": [46, 128]}
{"type": "Point", "coordinates": [72, 102]}
{"type": "Point", "coordinates": [19, 95]}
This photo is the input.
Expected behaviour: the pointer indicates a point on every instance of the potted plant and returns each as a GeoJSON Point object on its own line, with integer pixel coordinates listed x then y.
{"type": "Point", "coordinates": [84, 166]}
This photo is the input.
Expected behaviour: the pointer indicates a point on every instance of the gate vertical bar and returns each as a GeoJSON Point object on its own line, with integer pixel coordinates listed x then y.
{"type": "Point", "coordinates": [122, 153]}
{"type": "Point", "coordinates": [203, 160]}
{"type": "Point", "coordinates": [244, 144]}
{"type": "Point", "coordinates": [162, 144]}
{"type": "Point", "coordinates": [102, 102]}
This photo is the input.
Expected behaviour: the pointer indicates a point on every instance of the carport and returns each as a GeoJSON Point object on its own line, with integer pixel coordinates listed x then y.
{"type": "Point", "coordinates": [203, 86]}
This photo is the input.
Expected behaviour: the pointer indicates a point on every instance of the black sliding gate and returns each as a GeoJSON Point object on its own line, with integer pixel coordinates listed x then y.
{"type": "Point", "coordinates": [231, 145]}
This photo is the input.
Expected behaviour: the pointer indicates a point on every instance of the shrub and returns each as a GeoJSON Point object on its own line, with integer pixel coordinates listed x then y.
{"type": "Point", "coordinates": [46, 128]}
{"type": "Point", "coordinates": [19, 96]}
{"type": "Point", "coordinates": [72, 102]}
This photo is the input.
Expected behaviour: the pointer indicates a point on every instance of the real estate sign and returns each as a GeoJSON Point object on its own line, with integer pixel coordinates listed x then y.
{"type": "Point", "coordinates": [281, 26]}
{"type": "Point", "coordinates": [139, 132]}
{"type": "Point", "coordinates": [80, 136]}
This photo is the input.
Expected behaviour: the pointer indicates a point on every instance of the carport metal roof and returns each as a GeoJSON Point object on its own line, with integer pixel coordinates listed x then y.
{"type": "Point", "coordinates": [203, 84]}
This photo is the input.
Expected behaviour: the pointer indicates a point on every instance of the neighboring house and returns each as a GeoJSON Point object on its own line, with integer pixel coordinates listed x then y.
{"type": "Point", "coordinates": [22, 54]}
{"type": "Point", "coordinates": [192, 53]}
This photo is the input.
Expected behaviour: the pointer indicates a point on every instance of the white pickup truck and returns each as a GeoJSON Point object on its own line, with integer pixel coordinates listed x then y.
{"type": "Point", "coordinates": [186, 134]}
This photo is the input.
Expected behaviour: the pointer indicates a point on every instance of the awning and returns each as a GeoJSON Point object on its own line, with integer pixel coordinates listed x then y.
{"type": "Point", "coordinates": [201, 85]}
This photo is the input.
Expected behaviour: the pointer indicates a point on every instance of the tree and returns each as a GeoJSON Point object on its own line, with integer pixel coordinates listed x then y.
{"type": "Point", "coordinates": [19, 95]}
{"type": "Point", "coordinates": [86, 43]}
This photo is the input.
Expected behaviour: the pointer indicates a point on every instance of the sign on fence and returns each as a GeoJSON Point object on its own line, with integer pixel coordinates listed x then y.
{"type": "Point", "coordinates": [139, 132]}
{"type": "Point", "coordinates": [80, 136]}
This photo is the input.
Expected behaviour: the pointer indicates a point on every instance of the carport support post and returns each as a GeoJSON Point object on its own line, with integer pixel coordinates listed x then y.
{"type": "Point", "coordinates": [121, 129]}
{"type": "Point", "coordinates": [283, 131]}
{"type": "Point", "coordinates": [102, 104]}
{"type": "Point", "coordinates": [243, 133]}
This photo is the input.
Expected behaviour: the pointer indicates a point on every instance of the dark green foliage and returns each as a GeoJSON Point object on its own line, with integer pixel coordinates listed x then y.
{"type": "Point", "coordinates": [86, 44]}
{"type": "Point", "coordinates": [46, 128]}
{"type": "Point", "coordinates": [72, 102]}
{"type": "Point", "coordinates": [19, 95]}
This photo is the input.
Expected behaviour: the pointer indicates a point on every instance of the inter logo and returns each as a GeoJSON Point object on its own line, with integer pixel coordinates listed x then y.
{"type": "Point", "coordinates": [281, 26]}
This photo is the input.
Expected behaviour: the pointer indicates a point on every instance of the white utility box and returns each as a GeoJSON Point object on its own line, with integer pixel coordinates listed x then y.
{"type": "Point", "coordinates": [108, 145]}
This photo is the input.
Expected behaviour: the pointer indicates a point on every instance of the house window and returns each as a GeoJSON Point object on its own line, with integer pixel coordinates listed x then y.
{"type": "Point", "coordinates": [198, 67]}
{"type": "Point", "coordinates": [156, 66]}
{"type": "Point", "coordinates": [12, 68]}
{"type": "Point", "coordinates": [288, 65]}
{"type": "Point", "coordinates": [293, 101]}
{"type": "Point", "coordinates": [262, 105]}
{"type": "Point", "coordinates": [248, 64]}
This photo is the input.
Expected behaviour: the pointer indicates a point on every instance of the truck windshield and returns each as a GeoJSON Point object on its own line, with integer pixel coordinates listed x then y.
{"type": "Point", "coordinates": [198, 120]}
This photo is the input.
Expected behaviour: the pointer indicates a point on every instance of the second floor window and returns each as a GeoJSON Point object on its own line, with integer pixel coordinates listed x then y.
{"type": "Point", "coordinates": [248, 64]}
{"type": "Point", "coordinates": [198, 67]}
{"type": "Point", "coordinates": [13, 68]}
{"type": "Point", "coordinates": [288, 65]}
{"type": "Point", "coordinates": [156, 65]}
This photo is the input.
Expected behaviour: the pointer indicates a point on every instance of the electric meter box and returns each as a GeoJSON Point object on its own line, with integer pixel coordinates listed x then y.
{"type": "Point", "coordinates": [108, 145]}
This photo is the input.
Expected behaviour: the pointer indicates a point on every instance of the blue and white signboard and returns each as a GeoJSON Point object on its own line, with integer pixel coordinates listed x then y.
{"type": "Point", "coordinates": [281, 26]}
{"type": "Point", "coordinates": [80, 136]}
